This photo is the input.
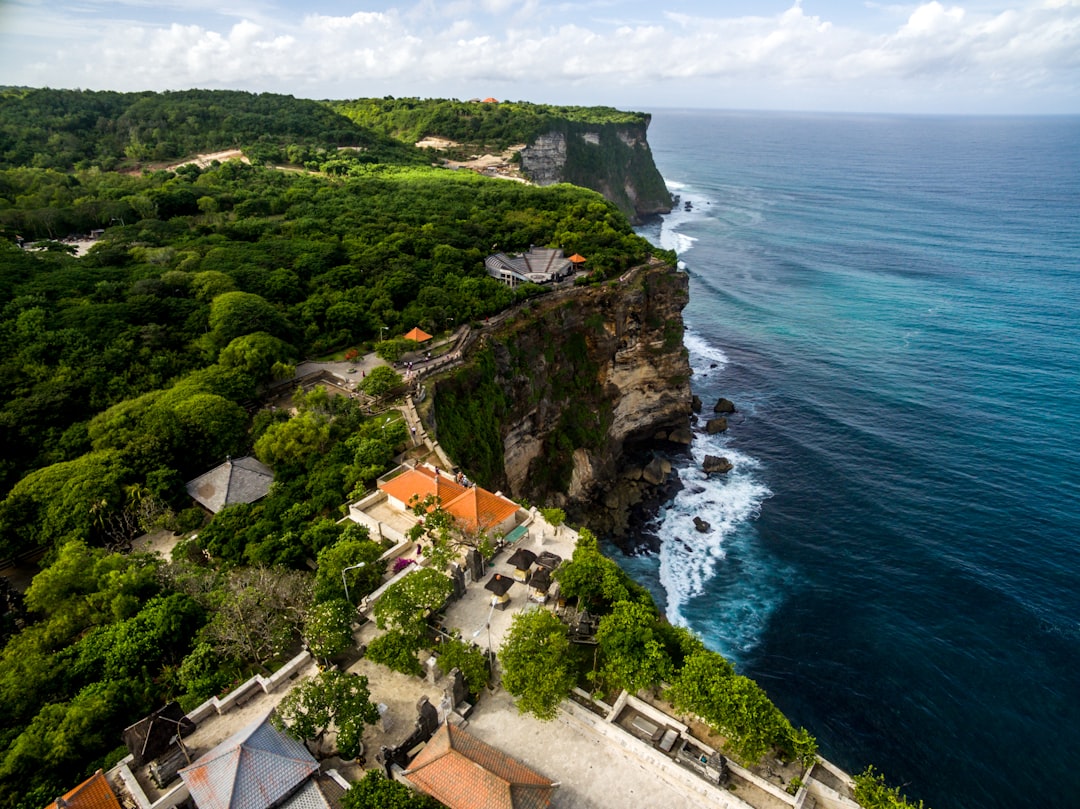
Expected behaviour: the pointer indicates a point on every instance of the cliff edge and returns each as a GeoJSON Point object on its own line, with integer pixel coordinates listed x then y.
{"type": "Point", "coordinates": [563, 403]}
{"type": "Point", "coordinates": [613, 159]}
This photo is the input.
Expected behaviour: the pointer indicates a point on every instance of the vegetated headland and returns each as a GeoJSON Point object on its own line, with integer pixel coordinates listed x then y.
{"type": "Point", "coordinates": [161, 346]}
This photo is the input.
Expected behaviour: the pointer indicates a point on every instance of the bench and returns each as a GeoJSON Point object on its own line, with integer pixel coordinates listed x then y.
{"type": "Point", "coordinates": [521, 532]}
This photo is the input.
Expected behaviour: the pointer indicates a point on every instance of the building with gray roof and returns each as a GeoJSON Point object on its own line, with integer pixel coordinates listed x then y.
{"type": "Point", "coordinates": [541, 265]}
{"type": "Point", "coordinates": [257, 768]}
{"type": "Point", "coordinates": [238, 480]}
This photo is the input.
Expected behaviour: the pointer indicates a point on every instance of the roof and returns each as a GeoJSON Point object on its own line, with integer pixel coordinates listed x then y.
{"type": "Point", "coordinates": [253, 769]}
{"type": "Point", "coordinates": [539, 265]}
{"type": "Point", "coordinates": [522, 559]}
{"type": "Point", "coordinates": [462, 772]}
{"type": "Point", "coordinates": [93, 793]}
{"type": "Point", "coordinates": [577, 258]}
{"type": "Point", "coordinates": [320, 792]}
{"type": "Point", "coordinates": [418, 335]}
{"type": "Point", "coordinates": [473, 507]}
{"type": "Point", "coordinates": [238, 480]}
{"type": "Point", "coordinates": [420, 483]}
{"type": "Point", "coordinates": [477, 509]}
{"type": "Point", "coordinates": [152, 735]}
{"type": "Point", "coordinates": [490, 100]}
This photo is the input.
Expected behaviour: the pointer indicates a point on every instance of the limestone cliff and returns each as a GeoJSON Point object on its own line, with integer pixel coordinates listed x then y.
{"type": "Point", "coordinates": [613, 159]}
{"type": "Point", "coordinates": [561, 403]}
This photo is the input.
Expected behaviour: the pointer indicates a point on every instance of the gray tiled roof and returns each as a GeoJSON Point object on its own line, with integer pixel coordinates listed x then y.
{"type": "Point", "coordinates": [238, 480]}
{"type": "Point", "coordinates": [253, 769]}
{"type": "Point", "coordinates": [539, 265]}
{"type": "Point", "coordinates": [320, 792]}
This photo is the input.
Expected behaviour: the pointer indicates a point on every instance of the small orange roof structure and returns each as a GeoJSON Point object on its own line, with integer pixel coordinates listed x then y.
{"type": "Point", "coordinates": [577, 258]}
{"type": "Point", "coordinates": [490, 100]}
{"type": "Point", "coordinates": [418, 335]}
{"type": "Point", "coordinates": [93, 793]}
{"type": "Point", "coordinates": [478, 509]}
{"type": "Point", "coordinates": [462, 772]}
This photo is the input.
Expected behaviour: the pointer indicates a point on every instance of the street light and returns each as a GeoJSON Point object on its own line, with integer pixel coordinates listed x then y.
{"type": "Point", "coordinates": [487, 625]}
{"type": "Point", "coordinates": [381, 330]}
{"type": "Point", "coordinates": [344, 583]}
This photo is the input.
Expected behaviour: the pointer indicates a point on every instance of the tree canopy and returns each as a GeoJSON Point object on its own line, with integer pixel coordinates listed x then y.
{"type": "Point", "coordinates": [330, 699]}
{"type": "Point", "coordinates": [535, 658]}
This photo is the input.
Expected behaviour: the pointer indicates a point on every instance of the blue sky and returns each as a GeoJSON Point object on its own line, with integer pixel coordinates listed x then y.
{"type": "Point", "coordinates": [1007, 56]}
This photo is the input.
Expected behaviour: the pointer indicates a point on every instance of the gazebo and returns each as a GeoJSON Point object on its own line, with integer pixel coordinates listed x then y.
{"type": "Point", "coordinates": [522, 560]}
{"type": "Point", "coordinates": [577, 260]}
{"type": "Point", "coordinates": [417, 335]}
{"type": "Point", "coordinates": [539, 584]}
{"type": "Point", "coordinates": [500, 586]}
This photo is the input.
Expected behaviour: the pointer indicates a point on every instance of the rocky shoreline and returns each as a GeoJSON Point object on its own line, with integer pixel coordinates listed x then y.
{"type": "Point", "coordinates": [628, 513]}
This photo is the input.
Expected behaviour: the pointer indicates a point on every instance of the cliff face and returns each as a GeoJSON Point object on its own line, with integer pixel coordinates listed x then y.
{"type": "Point", "coordinates": [562, 403]}
{"type": "Point", "coordinates": [613, 159]}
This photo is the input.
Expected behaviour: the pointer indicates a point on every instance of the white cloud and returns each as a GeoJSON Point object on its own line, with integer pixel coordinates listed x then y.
{"type": "Point", "coordinates": [434, 47]}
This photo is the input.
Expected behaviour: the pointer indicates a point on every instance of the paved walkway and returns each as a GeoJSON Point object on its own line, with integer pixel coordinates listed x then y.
{"type": "Point", "coordinates": [592, 772]}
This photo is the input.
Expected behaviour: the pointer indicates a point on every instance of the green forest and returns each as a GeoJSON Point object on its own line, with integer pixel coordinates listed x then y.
{"type": "Point", "coordinates": [82, 129]}
{"type": "Point", "coordinates": [494, 125]}
{"type": "Point", "coordinates": [141, 364]}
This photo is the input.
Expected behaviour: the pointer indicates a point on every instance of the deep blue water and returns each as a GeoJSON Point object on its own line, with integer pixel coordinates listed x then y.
{"type": "Point", "coordinates": [893, 303]}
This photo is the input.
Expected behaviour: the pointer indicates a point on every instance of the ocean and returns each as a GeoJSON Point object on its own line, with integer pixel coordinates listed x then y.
{"type": "Point", "coordinates": [893, 305]}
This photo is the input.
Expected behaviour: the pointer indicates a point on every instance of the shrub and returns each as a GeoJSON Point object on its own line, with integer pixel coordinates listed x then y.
{"type": "Point", "coordinates": [397, 651]}
{"type": "Point", "coordinates": [872, 792]}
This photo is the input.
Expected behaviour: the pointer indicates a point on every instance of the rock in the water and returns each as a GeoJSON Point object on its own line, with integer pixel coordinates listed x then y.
{"type": "Point", "coordinates": [714, 464]}
{"type": "Point", "coordinates": [681, 435]}
{"type": "Point", "coordinates": [701, 525]}
{"type": "Point", "coordinates": [724, 406]}
{"type": "Point", "coordinates": [717, 425]}
{"type": "Point", "coordinates": [695, 403]}
{"type": "Point", "coordinates": [655, 473]}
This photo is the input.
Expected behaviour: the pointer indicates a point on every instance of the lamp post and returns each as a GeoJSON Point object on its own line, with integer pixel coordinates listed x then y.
{"type": "Point", "coordinates": [344, 583]}
{"type": "Point", "coordinates": [381, 330]}
{"type": "Point", "coordinates": [487, 625]}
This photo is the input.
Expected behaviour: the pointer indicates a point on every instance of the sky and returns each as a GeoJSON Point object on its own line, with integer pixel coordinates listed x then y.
{"type": "Point", "coordinates": [973, 57]}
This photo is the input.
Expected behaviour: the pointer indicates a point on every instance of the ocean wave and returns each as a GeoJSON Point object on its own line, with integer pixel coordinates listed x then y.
{"type": "Point", "coordinates": [671, 239]}
{"type": "Point", "coordinates": [702, 353]}
{"type": "Point", "coordinates": [687, 561]}
{"type": "Point", "coordinates": [719, 582]}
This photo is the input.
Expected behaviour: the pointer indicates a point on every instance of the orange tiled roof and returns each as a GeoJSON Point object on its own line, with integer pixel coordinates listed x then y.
{"type": "Point", "coordinates": [577, 258]}
{"type": "Point", "coordinates": [417, 334]}
{"type": "Point", "coordinates": [490, 100]}
{"type": "Point", "coordinates": [420, 482]}
{"type": "Point", "coordinates": [93, 793]}
{"type": "Point", "coordinates": [479, 509]}
{"type": "Point", "coordinates": [462, 772]}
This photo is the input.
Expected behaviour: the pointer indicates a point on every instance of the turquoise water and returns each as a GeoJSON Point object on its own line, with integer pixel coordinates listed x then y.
{"type": "Point", "coordinates": [893, 303]}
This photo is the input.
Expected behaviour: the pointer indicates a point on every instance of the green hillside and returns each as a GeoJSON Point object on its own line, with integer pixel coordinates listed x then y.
{"type": "Point", "coordinates": [493, 125]}
{"type": "Point", "coordinates": [68, 129]}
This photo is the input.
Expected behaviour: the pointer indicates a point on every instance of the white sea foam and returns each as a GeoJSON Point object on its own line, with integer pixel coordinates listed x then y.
{"type": "Point", "coordinates": [735, 608]}
{"type": "Point", "coordinates": [702, 353]}
{"type": "Point", "coordinates": [679, 242]}
{"type": "Point", "coordinates": [689, 558]}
